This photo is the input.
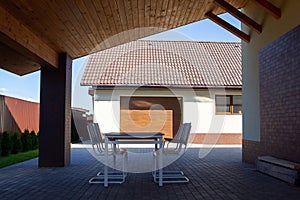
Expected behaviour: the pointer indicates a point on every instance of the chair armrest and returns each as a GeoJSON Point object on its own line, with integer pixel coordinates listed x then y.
{"type": "Point", "coordinates": [172, 141]}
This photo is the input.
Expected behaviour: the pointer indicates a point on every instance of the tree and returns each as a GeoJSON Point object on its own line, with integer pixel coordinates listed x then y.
{"type": "Point", "coordinates": [34, 140]}
{"type": "Point", "coordinates": [26, 140]}
{"type": "Point", "coordinates": [16, 143]}
{"type": "Point", "coordinates": [5, 144]}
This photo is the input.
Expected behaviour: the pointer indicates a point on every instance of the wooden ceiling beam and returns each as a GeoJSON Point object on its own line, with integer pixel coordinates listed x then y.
{"type": "Point", "coordinates": [18, 37]}
{"type": "Point", "coordinates": [228, 26]}
{"type": "Point", "coordinates": [239, 15]}
{"type": "Point", "coordinates": [13, 62]}
{"type": "Point", "coordinates": [269, 7]}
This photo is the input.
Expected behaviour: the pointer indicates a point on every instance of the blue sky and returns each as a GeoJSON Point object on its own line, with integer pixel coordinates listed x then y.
{"type": "Point", "coordinates": [28, 86]}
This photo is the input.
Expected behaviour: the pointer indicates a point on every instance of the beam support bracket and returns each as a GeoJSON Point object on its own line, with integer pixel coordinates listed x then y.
{"type": "Point", "coordinates": [239, 15]}
{"type": "Point", "coordinates": [269, 8]}
{"type": "Point", "coordinates": [245, 37]}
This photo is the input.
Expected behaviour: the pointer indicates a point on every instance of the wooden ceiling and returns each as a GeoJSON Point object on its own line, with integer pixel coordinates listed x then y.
{"type": "Point", "coordinates": [41, 29]}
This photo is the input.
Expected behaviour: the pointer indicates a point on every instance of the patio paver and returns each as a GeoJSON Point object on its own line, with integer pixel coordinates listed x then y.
{"type": "Point", "coordinates": [219, 175]}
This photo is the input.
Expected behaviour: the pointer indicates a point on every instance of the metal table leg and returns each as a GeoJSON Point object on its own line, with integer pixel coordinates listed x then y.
{"type": "Point", "coordinates": [106, 163]}
{"type": "Point", "coordinates": [160, 162]}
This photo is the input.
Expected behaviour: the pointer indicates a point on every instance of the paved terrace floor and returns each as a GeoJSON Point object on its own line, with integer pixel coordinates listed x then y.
{"type": "Point", "coordinates": [219, 175]}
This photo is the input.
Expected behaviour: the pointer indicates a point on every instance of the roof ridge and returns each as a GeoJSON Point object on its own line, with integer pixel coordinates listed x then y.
{"type": "Point", "coordinates": [187, 41]}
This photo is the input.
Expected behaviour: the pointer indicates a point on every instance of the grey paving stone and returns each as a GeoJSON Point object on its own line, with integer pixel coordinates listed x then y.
{"type": "Point", "coordinates": [219, 175]}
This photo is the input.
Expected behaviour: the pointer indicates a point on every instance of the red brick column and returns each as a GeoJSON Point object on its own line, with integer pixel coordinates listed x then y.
{"type": "Point", "coordinates": [55, 114]}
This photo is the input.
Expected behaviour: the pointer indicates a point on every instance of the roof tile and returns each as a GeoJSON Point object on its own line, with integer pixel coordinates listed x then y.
{"type": "Point", "coordinates": [166, 63]}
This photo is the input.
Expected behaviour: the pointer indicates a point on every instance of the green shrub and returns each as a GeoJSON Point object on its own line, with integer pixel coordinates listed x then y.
{"type": "Point", "coordinates": [0, 143]}
{"type": "Point", "coordinates": [5, 144]}
{"type": "Point", "coordinates": [26, 141]}
{"type": "Point", "coordinates": [16, 143]}
{"type": "Point", "coordinates": [34, 140]}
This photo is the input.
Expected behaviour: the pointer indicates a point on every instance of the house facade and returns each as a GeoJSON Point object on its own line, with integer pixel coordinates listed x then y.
{"type": "Point", "coordinates": [157, 85]}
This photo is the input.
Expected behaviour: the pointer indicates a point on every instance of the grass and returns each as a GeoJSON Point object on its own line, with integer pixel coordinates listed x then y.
{"type": "Point", "coordinates": [16, 158]}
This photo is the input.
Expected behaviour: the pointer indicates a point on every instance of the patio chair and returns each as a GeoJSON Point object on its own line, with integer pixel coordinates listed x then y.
{"type": "Point", "coordinates": [99, 149]}
{"type": "Point", "coordinates": [175, 148]}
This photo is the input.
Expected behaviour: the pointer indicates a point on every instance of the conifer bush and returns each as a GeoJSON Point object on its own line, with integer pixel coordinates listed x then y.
{"type": "Point", "coordinates": [34, 140]}
{"type": "Point", "coordinates": [26, 141]}
{"type": "Point", "coordinates": [16, 143]}
{"type": "Point", "coordinates": [6, 144]}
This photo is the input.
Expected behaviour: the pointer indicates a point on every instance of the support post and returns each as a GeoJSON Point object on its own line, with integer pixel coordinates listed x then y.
{"type": "Point", "coordinates": [55, 114]}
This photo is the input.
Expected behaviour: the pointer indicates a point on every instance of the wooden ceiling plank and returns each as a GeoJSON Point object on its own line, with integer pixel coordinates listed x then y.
{"type": "Point", "coordinates": [173, 14]}
{"type": "Point", "coordinates": [14, 62]}
{"type": "Point", "coordinates": [103, 20]}
{"type": "Point", "coordinates": [125, 16]}
{"type": "Point", "coordinates": [118, 37]}
{"type": "Point", "coordinates": [66, 32]}
{"type": "Point", "coordinates": [163, 13]}
{"type": "Point", "coordinates": [239, 15]}
{"type": "Point", "coordinates": [152, 13]}
{"type": "Point", "coordinates": [88, 20]}
{"type": "Point", "coordinates": [147, 12]}
{"type": "Point", "coordinates": [115, 15]}
{"type": "Point", "coordinates": [158, 13]}
{"type": "Point", "coordinates": [97, 23]}
{"type": "Point", "coordinates": [36, 22]}
{"type": "Point", "coordinates": [228, 27]}
{"type": "Point", "coordinates": [135, 13]}
{"type": "Point", "coordinates": [195, 14]}
{"type": "Point", "coordinates": [108, 14]}
{"type": "Point", "coordinates": [66, 29]}
{"type": "Point", "coordinates": [188, 12]}
{"type": "Point", "coordinates": [269, 7]}
{"type": "Point", "coordinates": [122, 14]}
{"type": "Point", "coordinates": [168, 14]}
{"type": "Point", "coordinates": [180, 13]}
{"type": "Point", "coordinates": [78, 22]}
{"type": "Point", "coordinates": [141, 6]}
{"type": "Point", "coordinates": [117, 23]}
{"type": "Point", "coordinates": [22, 39]}
{"type": "Point", "coordinates": [75, 28]}
{"type": "Point", "coordinates": [129, 14]}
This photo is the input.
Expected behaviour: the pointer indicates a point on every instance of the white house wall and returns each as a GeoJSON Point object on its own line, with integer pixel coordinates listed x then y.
{"type": "Point", "coordinates": [198, 108]}
{"type": "Point", "coordinates": [272, 29]}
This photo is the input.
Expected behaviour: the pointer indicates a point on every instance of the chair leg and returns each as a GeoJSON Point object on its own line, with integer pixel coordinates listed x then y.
{"type": "Point", "coordinates": [168, 176]}
{"type": "Point", "coordinates": [113, 176]}
{"type": "Point", "coordinates": [125, 165]}
{"type": "Point", "coordinates": [154, 172]}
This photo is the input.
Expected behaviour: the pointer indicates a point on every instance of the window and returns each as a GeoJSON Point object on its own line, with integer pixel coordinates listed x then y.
{"type": "Point", "coordinates": [228, 104]}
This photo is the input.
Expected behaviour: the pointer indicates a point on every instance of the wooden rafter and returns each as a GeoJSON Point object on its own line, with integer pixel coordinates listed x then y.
{"type": "Point", "coordinates": [239, 15]}
{"type": "Point", "coordinates": [18, 37]}
{"type": "Point", "coordinates": [228, 26]}
{"type": "Point", "coordinates": [269, 7]}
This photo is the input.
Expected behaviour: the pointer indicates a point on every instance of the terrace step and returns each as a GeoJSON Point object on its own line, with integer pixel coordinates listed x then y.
{"type": "Point", "coordinates": [278, 168]}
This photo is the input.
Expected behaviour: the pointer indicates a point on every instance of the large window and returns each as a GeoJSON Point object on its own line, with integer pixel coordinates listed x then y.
{"type": "Point", "coordinates": [228, 104]}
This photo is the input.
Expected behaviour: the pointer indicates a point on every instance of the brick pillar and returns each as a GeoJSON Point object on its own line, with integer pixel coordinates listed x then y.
{"type": "Point", "coordinates": [279, 101]}
{"type": "Point", "coordinates": [55, 114]}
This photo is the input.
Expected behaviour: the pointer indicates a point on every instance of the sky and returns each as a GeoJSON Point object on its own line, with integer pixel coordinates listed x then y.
{"type": "Point", "coordinates": [27, 87]}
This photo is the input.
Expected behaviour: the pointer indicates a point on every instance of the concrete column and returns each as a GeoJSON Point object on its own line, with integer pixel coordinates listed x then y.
{"type": "Point", "coordinates": [55, 114]}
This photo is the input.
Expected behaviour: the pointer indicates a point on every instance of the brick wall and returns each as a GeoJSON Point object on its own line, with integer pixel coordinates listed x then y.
{"type": "Point", "coordinates": [279, 100]}
{"type": "Point", "coordinates": [216, 138]}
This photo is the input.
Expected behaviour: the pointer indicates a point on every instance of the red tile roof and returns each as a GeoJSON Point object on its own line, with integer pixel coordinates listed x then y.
{"type": "Point", "coordinates": [166, 63]}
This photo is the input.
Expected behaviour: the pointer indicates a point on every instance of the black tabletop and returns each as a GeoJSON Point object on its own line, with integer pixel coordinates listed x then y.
{"type": "Point", "coordinates": [134, 135]}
